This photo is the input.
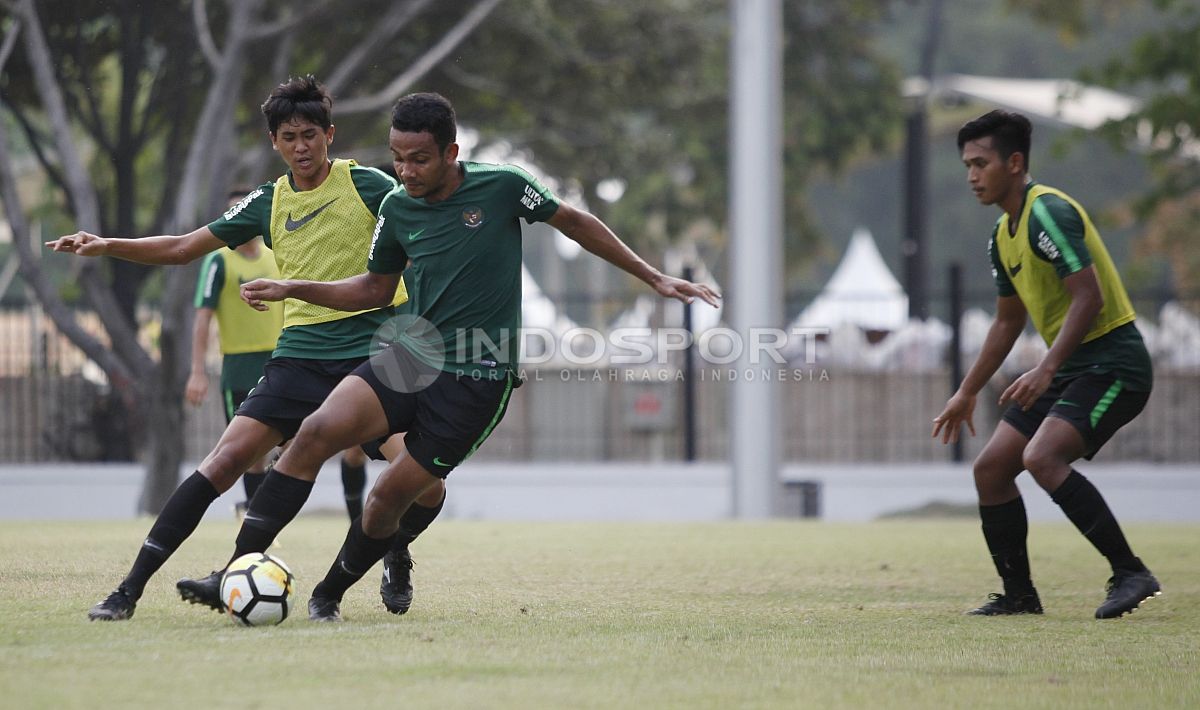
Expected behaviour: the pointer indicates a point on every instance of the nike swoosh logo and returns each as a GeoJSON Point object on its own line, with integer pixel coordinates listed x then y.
{"type": "Point", "coordinates": [292, 225]}
{"type": "Point", "coordinates": [1014, 270]}
{"type": "Point", "coordinates": [437, 461]}
{"type": "Point", "coordinates": [1068, 403]}
{"type": "Point", "coordinates": [414, 235]}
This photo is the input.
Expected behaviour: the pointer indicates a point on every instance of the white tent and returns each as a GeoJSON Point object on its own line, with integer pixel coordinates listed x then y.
{"type": "Point", "coordinates": [1063, 100]}
{"type": "Point", "coordinates": [861, 292]}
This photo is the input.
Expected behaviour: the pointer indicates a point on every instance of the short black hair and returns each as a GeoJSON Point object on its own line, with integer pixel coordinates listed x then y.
{"type": "Point", "coordinates": [299, 97]}
{"type": "Point", "coordinates": [1010, 131]}
{"type": "Point", "coordinates": [426, 112]}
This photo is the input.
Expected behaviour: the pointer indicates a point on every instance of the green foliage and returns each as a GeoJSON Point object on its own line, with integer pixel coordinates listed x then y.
{"type": "Point", "coordinates": [586, 615]}
{"type": "Point", "coordinates": [1164, 64]}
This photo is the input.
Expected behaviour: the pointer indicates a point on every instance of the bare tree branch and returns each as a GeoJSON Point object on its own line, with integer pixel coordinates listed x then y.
{"type": "Point", "coordinates": [387, 27]}
{"type": "Point", "coordinates": [431, 58]}
{"type": "Point", "coordinates": [204, 34]}
{"type": "Point", "coordinates": [79, 186]}
{"type": "Point", "coordinates": [10, 41]}
{"type": "Point", "coordinates": [287, 23]}
{"type": "Point", "coordinates": [218, 107]}
{"type": "Point", "coordinates": [36, 143]}
{"type": "Point", "coordinates": [62, 316]}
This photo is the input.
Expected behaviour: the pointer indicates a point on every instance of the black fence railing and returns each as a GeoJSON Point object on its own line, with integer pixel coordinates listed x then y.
{"type": "Point", "coordinates": [863, 395]}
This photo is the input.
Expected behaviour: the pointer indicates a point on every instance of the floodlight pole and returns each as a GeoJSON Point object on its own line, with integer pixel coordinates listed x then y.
{"type": "Point", "coordinates": [756, 247]}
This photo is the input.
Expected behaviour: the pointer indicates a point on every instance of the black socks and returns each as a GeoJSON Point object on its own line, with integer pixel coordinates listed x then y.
{"type": "Point", "coordinates": [1085, 507]}
{"type": "Point", "coordinates": [251, 480]}
{"type": "Point", "coordinates": [414, 521]}
{"type": "Point", "coordinates": [179, 517]}
{"type": "Point", "coordinates": [274, 505]}
{"type": "Point", "coordinates": [358, 554]}
{"type": "Point", "coordinates": [354, 483]}
{"type": "Point", "coordinates": [1005, 528]}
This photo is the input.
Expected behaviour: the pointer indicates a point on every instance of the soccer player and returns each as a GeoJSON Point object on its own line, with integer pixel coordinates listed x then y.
{"type": "Point", "coordinates": [1049, 264]}
{"type": "Point", "coordinates": [247, 337]}
{"type": "Point", "coordinates": [318, 219]}
{"type": "Point", "coordinates": [453, 228]}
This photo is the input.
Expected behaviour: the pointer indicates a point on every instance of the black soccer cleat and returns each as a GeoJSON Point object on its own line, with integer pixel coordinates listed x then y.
{"type": "Point", "coordinates": [117, 606]}
{"type": "Point", "coordinates": [1126, 591]}
{"type": "Point", "coordinates": [396, 587]}
{"type": "Point", "coordinates": [206, 590]}
{"type": "Point", "coordinates": [324, 609]}
{"type": "Point", "coordinates": [1001, 605]}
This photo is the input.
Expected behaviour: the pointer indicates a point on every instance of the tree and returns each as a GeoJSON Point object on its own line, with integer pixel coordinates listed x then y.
{"type": "Point", "coordinates": [1166, 62]}
{"type": "Point", "coordinates": [142, 87]}
{"type": "Point", "coordinates": [135, 111]}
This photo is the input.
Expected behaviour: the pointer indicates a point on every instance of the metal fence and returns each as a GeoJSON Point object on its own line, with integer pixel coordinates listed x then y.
{"type": "Point", "coordinates": [56, 406]}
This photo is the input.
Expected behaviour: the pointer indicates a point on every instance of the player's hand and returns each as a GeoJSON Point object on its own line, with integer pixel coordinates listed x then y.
{"type": "Point", "coordinates": [258, 291]}
{"type": "Point", "coordinates": [1027, 388]}
{"type": "Point", "coordinates": [686, 291]}
{"type": "Point", "coordinates": [959, 409]}
{"type": "Point", "coordinates": [81, 243]}
{"type": "Point", "coordinates": [196, 389]}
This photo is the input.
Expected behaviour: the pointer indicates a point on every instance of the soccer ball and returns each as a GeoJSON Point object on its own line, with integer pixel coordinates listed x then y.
{"type": "Point", "coordinates": [257, 589]}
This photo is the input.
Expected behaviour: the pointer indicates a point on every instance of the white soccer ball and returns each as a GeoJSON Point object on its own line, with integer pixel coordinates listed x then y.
{"type": "Point", "coordinates": [257, 589]}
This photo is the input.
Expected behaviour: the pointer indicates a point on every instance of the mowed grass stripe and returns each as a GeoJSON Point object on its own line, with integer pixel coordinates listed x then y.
{"type": "Point", "coordinates": [587, 615]}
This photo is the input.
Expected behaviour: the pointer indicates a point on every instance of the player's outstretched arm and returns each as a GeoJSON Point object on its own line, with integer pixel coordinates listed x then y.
{"type": "Point", "coordinates": [164, 250]}
{"type": "Point", "coordinates": [357, 293]}
{"type": "Point", "coordinates": [959, 410]}
{"type": "Point", "coordinates": [596, 237]}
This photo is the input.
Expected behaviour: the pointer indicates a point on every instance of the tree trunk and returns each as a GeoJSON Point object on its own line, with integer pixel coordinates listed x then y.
{"type": "Point", "coordinates": [164, 425]}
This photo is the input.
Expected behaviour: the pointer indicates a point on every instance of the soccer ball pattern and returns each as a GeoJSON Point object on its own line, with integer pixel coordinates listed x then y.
{"type": "Point", "coordinates": [256, 589]}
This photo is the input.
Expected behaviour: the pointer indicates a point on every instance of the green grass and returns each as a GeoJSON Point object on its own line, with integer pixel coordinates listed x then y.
{"type": "Point", "coordinates": [527, 615]}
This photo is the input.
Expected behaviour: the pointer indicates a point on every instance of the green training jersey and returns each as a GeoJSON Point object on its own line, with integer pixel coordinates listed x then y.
{"type": "Point", "coordinates": [1052, 239]}
{"type": "Point", "coordinates": [463, 259]}
{"type": "Point", "coordinates": [247, 336]}
{"type": "Point", "coordinates": [318, 235]}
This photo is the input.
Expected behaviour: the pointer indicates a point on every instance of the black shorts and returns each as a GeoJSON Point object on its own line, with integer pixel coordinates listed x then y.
{"type": "Point", "coordinates": [230, 401]}
{"type": "Point", "coordinates": [1097, 405]}
{"type": "Point", "coordinates": [448, 415]}
{"type": "Point", "coordinates": [292, 388]}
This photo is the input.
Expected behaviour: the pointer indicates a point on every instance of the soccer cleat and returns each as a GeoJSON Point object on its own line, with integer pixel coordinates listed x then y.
{"type": "Point", "coordinates": [206, 590]}
{"type": "Point", "coordinates": [396, 587]}
{"type": "Point", "coordinates": [1126, 591]}
{"type": "Point", "coordinates": [116, 607]}
{"type": "Point", "coordinates": [1001, 605]}
{"type": "Point", "coordinates": [323, 609]}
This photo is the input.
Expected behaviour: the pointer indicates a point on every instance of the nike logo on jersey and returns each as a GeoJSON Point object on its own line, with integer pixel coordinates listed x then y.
{"type": "Point", "coordinates": [437, 460]}
{"type": "Point", "coordinates": [1014, 270]}
{"type": "Point", "coordinates": [414, 235]}
{"type": "Point", "coordinates": [292, 225]}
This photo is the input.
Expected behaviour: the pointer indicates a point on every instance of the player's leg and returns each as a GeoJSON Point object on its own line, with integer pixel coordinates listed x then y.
{"type": "Point", "coordinates": [354, 479]}
{"type": "Point", "coordinates": [395, 586]}
{"type": "Point", "coordinates": [468, 410]}
{"type": "Point", "coordinates": [243, 441]}
{"type": "Point", "coordinates": [288, 396]}
{"type": "Point", "coordinates": [1090, 411]}
{"type": "Point", "coordinates": [371, 536]}
{"type": "Point", "coordinates": [1005, 525]}
{"type": "Point", "coordinates": [351, 413]}
{"type": "Point", "coordinates": [252, 478]}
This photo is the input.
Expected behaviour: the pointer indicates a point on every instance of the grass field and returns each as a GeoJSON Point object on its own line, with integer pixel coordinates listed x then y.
{"type": "Point", "coordinates": [520, 615]}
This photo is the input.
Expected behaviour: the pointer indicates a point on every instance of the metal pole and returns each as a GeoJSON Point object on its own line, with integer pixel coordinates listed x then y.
{"type": "Point", "coordinates": [689, 380]}
{"type": "Point", "coordinates": [756, 247]}
{"type": "Point", "coordinates": [956, 314]}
